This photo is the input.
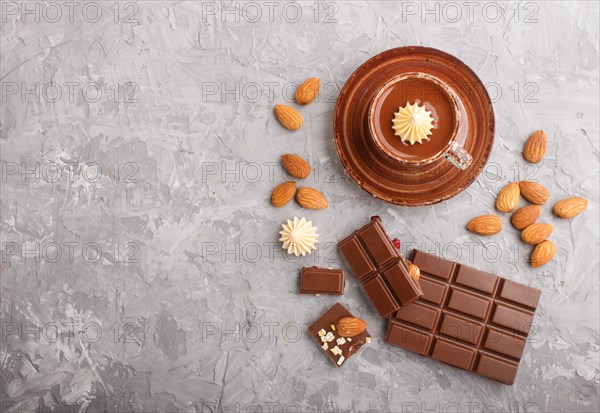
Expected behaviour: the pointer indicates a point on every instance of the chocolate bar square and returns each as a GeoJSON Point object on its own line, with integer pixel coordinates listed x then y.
{"type": "Point", "coordinates": [380, 269]}
{"type": "Point", "coordinates": [466, 318]}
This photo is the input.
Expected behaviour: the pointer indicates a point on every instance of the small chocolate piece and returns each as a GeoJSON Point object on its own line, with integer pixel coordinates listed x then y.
{"type": "Point", "coordinates": [338, 349]}
{"type": "Point", "coordinates": [380, 268]}
{"type": "Point", "coordinates": [466, 318]}
{"type": "Point", "coordinates": [322, 281]}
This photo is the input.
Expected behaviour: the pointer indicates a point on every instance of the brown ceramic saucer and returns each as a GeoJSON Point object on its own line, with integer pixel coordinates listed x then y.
{"type": "Point", "coordinates": [383, 176]}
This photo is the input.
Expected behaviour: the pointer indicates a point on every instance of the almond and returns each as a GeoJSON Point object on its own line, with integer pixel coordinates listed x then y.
{"type": "Point", "coordinates": [535, 148]}
{"type": "Point", "coordinates": [414, 272]}
{"type": "Point", "coordinates": [536, 233]}
{"type": "Point", "coordinates": [508, 198]}
{"type": "Point", "coordinates": [308, 91]}
{"type": "Point", "coordinates": [570, 207]}
{"type": "Point", "coordinates": [350, 326]}
{"type": "Point", "coordinates": [311, 198]}
{"type": "Point", "coordinates": [542, 253]}
{"type": "Point", "coordinates": [295, 165]}
{"type": "Point", "coordinates": [283, 193]}
{"type": "Point", "coordinates": [523, 217]}
{"type": "Point", "coordinates": [485, 225]}
{"type": "Point", "coordinates": [290, 118]}
{"type": "Point", "coordinates": [534, 192]}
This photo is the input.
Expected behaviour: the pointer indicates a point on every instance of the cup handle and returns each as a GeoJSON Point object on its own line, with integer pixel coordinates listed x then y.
{"type": "Point", "coordinates": [458, 156]}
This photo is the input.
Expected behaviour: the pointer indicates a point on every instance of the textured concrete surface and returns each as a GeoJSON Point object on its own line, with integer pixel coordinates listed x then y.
{"type": "Point", "coordinates": [140, 263]}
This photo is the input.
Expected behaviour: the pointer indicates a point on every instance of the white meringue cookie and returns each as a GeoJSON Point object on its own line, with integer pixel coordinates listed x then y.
{"type": "Point", "coordinates": [413, 123]}
{"type": "Point", "coordinates": [299, 236]}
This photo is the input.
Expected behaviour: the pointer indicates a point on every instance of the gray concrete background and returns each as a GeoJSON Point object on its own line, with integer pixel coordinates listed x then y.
{"type": "Point", "coordinates": [140, 267]}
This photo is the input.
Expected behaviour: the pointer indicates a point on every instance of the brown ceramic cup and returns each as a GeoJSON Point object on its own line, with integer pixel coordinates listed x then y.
{"type": "Point", "coordinates": [437, 98]}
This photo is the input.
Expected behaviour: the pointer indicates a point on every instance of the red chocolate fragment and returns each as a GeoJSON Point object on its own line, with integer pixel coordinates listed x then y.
{"type": "Point", "coordinates": [466, 318]}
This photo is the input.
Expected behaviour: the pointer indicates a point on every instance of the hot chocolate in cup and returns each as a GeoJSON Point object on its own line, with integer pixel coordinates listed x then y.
{"type": "Point", "coordinates": [437, 98]}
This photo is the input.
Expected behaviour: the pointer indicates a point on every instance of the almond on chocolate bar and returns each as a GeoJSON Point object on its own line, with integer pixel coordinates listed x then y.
{"type": "Point", "coordinates": [340, 348]}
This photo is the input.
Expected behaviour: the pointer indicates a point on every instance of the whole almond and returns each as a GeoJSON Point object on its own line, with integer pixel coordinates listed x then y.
{"type": "Point", "coordinates": [350, 326]}
{"type": "Point", "coordinates": [295, 165]}
{"type": "Point", "coordinates": [536, 233]}
{"type": "Point", "coordinates": [485, 225]}
{"type": "Point", "coordinates": [570, 207]}
{"type": "Point", "coordinates": [311, 198]}
{"type": "Point", "coordinates": [525, 216]}
{"type": "Point", "coordinates": [290, 118]}
{"type": "Point", "coordinates": [535, 148]}
{"type": "Point", "coordinates": [283, 194]}
{"type": "Point", "coordinates": [414, 272]}
{"type": "Point", "coordinates": [508, 198]}
{"type": "Point", "coordinates": [534, 192]}
{"type": "Point", "coordinates": [308, 91]}
{"type": "Point", "coordinates": [542, 253]}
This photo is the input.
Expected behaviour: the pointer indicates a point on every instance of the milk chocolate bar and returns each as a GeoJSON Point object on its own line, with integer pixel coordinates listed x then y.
{"type": "Point", "coordinates": [322, 281]}
{"type": "Point", "coordinates": [466, 318]}
{"type": "Point", "coordinates": [380, 269]}
{"type": "Point", "coordinates": [339, 349]}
